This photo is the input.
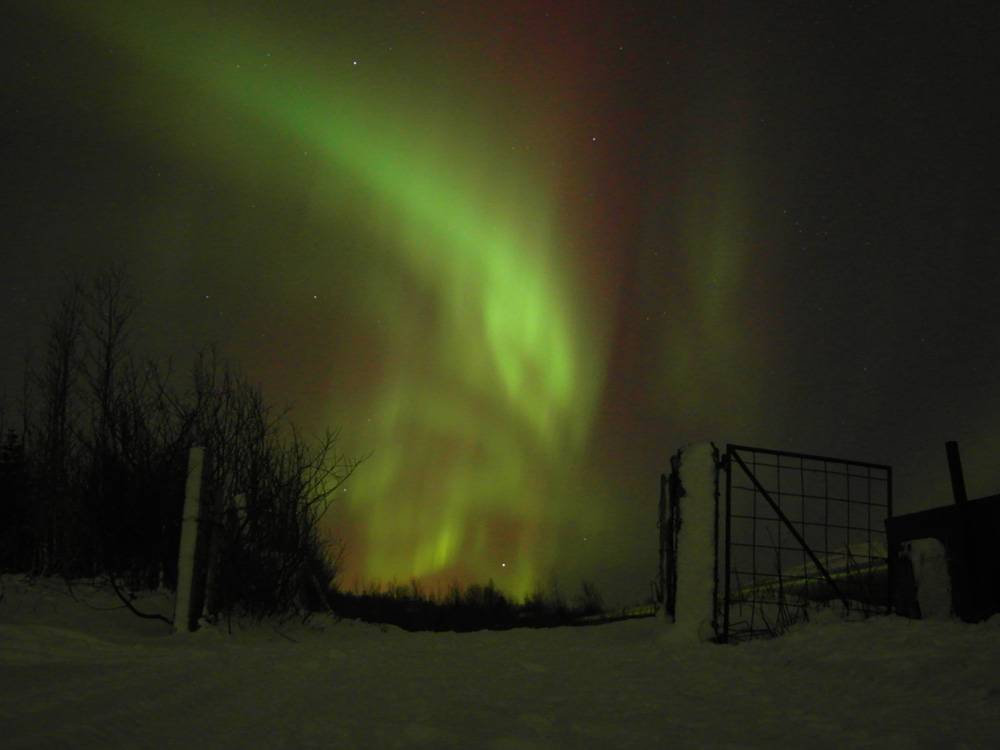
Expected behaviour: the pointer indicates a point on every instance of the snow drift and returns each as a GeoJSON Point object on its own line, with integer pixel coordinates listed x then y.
{"type": "Point", "coordinates": [80, 673]}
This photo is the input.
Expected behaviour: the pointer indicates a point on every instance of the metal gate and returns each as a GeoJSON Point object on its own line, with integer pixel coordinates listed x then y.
{"type": "Point", "coordinates": [799, 530]}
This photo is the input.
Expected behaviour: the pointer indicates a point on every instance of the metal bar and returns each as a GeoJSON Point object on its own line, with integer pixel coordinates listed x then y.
{"type": "Point", "coordinates": [847, 496]}
{"type": "Point", "coordinates": [824, 471]}
{"type": "Point", "coordinates": [868, 489]}
{"type": "Point", "coordinates": [955, 468]}
{"type": "Point", "coordinates": [729, 514]}
{"type": "Point", "coordinates": [777, 480]}
{"type": "Point", "coordinates": [826, 512]}
{"type": "Point", "coordinates": [834, 499]}
{"type": "Point", "coordinates": [673, 518]}
{"type": "Point", "coordinates": [802, 489]}
{"type": "Point", "coordinates": [773, 452]}
{"type": "Point", "coordinates": [784, 519]}
{"type": "Point", "coordinates": [661, 524]}
{"type": "Point", "coordinates": [811, 523]}
{"type": "Point", "coordinates": [715, 544]}
{"type": "Point", "coordinates": [753, 552]}
{"type": "Point", "coordinates": [890, 551]}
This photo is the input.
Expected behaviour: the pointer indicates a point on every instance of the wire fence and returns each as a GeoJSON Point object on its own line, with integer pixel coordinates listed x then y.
{"type": "Point", "coordinates": [800, 531]}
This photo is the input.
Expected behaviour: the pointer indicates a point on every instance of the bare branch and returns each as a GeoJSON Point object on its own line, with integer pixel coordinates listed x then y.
{"type": "Point", "coordinates": [131, 607]}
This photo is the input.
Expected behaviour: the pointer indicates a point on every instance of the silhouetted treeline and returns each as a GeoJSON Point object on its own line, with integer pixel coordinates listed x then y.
{"type": "Point", "coordinates": [478, 607]}
{"type": "Point", "coordinates": [92, 485]}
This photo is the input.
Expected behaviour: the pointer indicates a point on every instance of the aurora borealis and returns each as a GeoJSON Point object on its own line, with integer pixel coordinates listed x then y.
{"type": "Point", "coordinates": [523, 251]}
{"type": "Point", "coordinates": [466, 232]}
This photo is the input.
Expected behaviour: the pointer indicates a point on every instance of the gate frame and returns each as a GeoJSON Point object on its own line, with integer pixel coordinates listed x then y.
{"type": "Point", "coordinates": [726, 464]}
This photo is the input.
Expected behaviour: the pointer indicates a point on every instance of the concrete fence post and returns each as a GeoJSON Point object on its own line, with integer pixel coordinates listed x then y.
{"type": "Point", "coordinates": [189, 576]}
{"type": "Point", "coordinates": [690, 546]}
{"type": "Point", "coordinates": [929, 560]}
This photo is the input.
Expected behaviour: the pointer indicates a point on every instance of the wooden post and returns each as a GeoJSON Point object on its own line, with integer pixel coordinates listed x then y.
{"type": "Point", "coordinates": [185, 614]}
{"type": "Point", "coordinates": [955, 468]}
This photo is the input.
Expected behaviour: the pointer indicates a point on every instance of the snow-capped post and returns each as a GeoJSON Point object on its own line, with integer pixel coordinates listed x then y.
{"type": "Point", "coordinates": [929, 560]}
{"type": "Point", "coordinates": [691, 543]}
{"type": "Point", "coordinates": [189, 578]}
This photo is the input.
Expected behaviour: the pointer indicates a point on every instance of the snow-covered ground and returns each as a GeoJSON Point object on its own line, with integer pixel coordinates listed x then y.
{"type": "Point", "coordinates": [78, 677]}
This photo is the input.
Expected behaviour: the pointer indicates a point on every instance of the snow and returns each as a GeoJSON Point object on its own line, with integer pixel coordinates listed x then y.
{"type": "Point", "coordinates": [930, 570]}
{"type": "Point", "coordinates": [696, 544]}
{"type": "Point", "coordinates": [76, 674]}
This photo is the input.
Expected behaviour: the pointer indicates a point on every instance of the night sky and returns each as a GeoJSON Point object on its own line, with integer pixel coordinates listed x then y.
{"type": "Point", "coordinates": [524, 251]}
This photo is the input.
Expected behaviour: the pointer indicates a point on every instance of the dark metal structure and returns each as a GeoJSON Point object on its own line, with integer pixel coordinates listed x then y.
{"type": "Point", "coordinates": [798, 529]}
{"type": "Point", "coordinates": [669, 523]}
{"type": "Point", "coordinates": [793, 529]}
{"type": "Point", "coordinates": [968, 529]}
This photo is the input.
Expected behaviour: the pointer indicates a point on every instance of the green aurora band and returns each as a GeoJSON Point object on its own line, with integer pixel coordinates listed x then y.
{"type": "Point", "coordinates": [487, 381]}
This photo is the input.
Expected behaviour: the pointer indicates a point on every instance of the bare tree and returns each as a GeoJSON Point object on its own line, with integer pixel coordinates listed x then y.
{"type": "Point", "coordinates": [57, 384]}
{"type": "Point", "coordinates": [110, 451]}
{"type": "Point", "coordinates": [109, 307]}
{"type": "Point", "coordinates": [58, 380]}
{"type": "Point", "coordinates": [266, 554]}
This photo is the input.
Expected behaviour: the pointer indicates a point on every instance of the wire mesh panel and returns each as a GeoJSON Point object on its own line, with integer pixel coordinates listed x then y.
{"type": "Point", "coordinates": [800, 531]}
